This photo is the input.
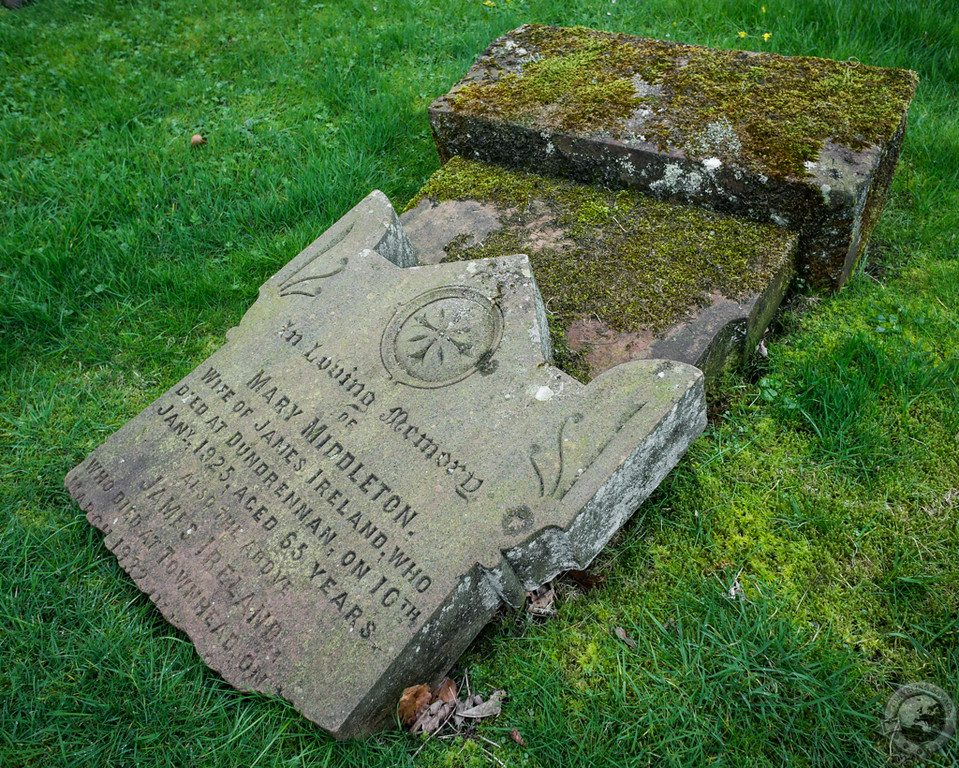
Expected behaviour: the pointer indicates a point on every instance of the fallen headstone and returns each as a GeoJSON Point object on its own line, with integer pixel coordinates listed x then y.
{"type": "Point", "coordinates": [805, 143]}
{"type": "Point", "coordinates": [335, 502]}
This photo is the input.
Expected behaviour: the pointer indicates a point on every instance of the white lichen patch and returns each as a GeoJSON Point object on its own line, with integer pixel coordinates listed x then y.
{"type": "Point", "coordinates": [535, 336]}
{"type": "Point", "coordinates": [544, 394]}
{"type": "Point", "coordinates": [718, 138]}
{"type": "Point", "coordinates": [676, 182]}
{"type": "Point", "coordinates": [712, 164]}
{"type": "Point", "coordinates": [644, 89]}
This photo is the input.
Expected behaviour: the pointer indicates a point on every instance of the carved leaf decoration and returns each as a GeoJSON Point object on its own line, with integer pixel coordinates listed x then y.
{"type": "Point", "coordinates": [413, 702]}
{"type": "Point", "coordinates": [310, 271]}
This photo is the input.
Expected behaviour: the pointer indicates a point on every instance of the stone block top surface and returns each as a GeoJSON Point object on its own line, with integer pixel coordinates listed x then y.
{"type": "Point", "coordinates": [803, 142]}
{"type": "Point", "coordinates": [761, 112]}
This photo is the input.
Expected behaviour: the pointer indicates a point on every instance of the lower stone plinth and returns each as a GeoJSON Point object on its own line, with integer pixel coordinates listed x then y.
{"type": "Point", "coordinates": [623, 276]}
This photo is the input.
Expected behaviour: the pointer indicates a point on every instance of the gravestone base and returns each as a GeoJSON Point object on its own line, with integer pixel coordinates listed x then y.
{"type": "Point", "coordinates": [624, 277]}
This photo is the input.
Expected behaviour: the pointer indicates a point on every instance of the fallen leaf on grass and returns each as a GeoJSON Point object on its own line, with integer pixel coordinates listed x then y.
{"type": "Point", "coordinates": [516, 736]}
{"type": "Point", "coordinates": [467, 703]}
{"type": "Point", "coordinates": [621, 634]}
{"type": "Point", "coordinates": [424, 711]}
{"type": "Point", "coordinates": [432, 718]}
{"type": "Point", "coordinates": [489, 708]}
{"type": "Point", "coordinates": [540, 601]}
{"type": "Point", "coordinates": [447, 692]}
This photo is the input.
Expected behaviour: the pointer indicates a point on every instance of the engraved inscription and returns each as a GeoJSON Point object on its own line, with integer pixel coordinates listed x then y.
{"type": "Point", "coordinates": [432, 451]}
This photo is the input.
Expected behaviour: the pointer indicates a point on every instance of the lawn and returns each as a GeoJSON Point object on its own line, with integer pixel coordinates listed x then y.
{"type": "Point", "coordinates": [826, 487]}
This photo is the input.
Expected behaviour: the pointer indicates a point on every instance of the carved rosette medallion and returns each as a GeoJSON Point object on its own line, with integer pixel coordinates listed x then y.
{"type": "Point", "coordinates": [441, 337]}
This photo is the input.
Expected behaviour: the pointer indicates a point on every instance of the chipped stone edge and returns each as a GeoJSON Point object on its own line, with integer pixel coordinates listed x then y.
{"type": "Point", "coordinates": [481, 591]}
{"type": "Point", "coordinates": [614, 502]}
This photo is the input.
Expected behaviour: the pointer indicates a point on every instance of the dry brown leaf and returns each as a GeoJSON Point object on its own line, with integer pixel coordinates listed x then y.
{"type": "Point", "coordinates": [540, 601]}
{"type": "Point", "coordinates": [424, 711]}
{"type": "Point", "coordinates": [585, 580]}
{"type": "Point", "coordinates": [432, 718]}
{"type": "Point", "coordinates": [469, 703]}
{"type": "Point", "coordinates": [621, 634]}
{"type": "Point", "coordinates": [516, 736]}
{"type": "Point", "coordinates": [490, 708]}
{"type": "Point", "coordinates": [413, 702]}
{"type": "Point", "coordinates": [446, 692]}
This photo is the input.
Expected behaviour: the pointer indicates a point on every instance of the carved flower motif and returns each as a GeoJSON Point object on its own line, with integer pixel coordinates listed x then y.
{"type": "Point", "coordinates": [441, 337]}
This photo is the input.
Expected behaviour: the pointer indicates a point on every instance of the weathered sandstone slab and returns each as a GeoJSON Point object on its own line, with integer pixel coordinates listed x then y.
{"type": "Point", "coordinates": [624, 277]}
{"type": "Point", "coordinates": [334, 503]}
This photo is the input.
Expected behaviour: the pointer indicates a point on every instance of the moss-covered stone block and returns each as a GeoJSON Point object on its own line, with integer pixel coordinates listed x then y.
{"type": "Point", "coordinates": [805, 143]}
{"type": "Point", "coordinates": [624, 276]}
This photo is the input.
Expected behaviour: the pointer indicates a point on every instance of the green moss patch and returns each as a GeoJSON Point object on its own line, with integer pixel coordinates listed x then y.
{"type": "Point", "coordinates": [576, 88]}
{"type": "Point", "coordinates": [628, 260]}
{"type": "Point", "coordinates": [764, 112]}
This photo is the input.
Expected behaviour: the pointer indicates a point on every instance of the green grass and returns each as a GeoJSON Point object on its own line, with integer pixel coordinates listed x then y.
{"type": "Point", "coordinates": [828, 483]}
